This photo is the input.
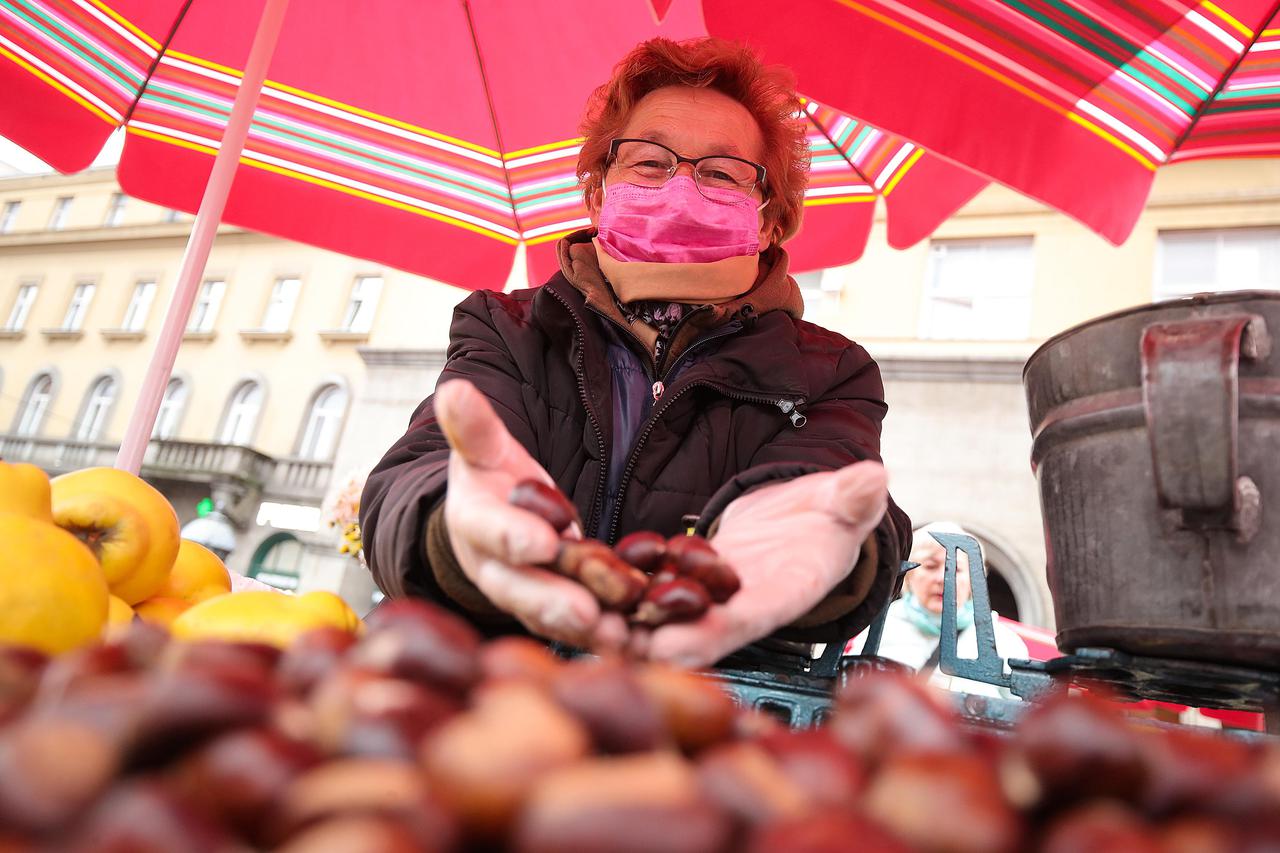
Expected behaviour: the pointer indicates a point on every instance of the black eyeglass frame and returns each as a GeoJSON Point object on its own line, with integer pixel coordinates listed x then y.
{"type": "Point", "coordinates": [692, 161]}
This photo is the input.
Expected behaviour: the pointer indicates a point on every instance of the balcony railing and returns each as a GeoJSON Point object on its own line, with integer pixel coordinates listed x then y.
{"type": "Point", "coordinates": [294, 479]}
{"type": "Point", "coordinates": [190, 461]}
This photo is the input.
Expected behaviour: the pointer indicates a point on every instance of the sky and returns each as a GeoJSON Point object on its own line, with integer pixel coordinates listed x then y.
{"type": "Point", "coordinates": [16, 161]}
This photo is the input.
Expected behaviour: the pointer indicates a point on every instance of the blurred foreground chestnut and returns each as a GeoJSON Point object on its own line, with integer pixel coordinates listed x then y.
{"type": "Point", "coordinates": [239, 777]}
{"type": "Point", "coordinates": [697, 712]}
{"type": "Point", "coordinates": [825, 833]}
{"type": "Point", "coordinates": [1192, 771]}
{"type": "Point", "coordinates": [145, 817]}
{"type": "Point", "coordinates": [943, 803]}
{"type": "Point", "coordinates": [484, 762]}
{"type": "Point", "coordinates": [411, 639]}
{"type": "Point", "coordinates": [50, 770]}
{"type": "Point", "coordinates": [812, 760]}
{"type": "Point", "coordinates": [637, 803]}
{"type": "Point", "coordinates": [745, 781]}
{"type": "Point", "coordinates": [364, 713]}
{"type": "Point", "coordinates": [879, 714]}
{"type": "Point", "coordinates": [20, 670]}
{"type": "Point", "coordinates": [361, 787]}
{"type": "Point", "coordinates": [1101, 827]}
{"type": "Point", "coordinates": [518, 659]}
{"type": "Point", "coordinates": [608, 699]}
{"type": "Point", "coordinates": [310, 657]}
{"type": "Point", "coordinates": [362, 834]}
{"type": "Point", "coordinates": [1077, 747]}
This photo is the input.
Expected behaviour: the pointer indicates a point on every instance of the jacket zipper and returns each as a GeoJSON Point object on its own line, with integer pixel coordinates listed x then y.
{"type": "Point", "coordinates": [597, 504]}
{"type": "Point", "coordinates": [791, 408]}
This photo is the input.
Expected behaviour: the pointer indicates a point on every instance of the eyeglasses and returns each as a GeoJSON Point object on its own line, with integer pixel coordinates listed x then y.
{"type": "Point", "coordinates": [652, 165]}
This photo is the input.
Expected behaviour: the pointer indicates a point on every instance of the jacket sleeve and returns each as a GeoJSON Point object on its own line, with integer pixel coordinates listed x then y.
{"type": "Point", "coordinates": [407, 486]}
{"type": "Point", "coordinates": [842, 427]}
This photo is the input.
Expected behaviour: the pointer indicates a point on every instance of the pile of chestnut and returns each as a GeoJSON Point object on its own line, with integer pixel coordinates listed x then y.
{"type": "Point", "coordinates": [421, 737]}
{"type": "Point", "coordinates": [652, 579]}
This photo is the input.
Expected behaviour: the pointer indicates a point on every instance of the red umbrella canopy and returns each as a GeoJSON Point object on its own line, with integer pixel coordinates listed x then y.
{"type": "Point", "coordinates": [1074, 102]}
{"type": "Point", "coordinates": [433, 137]}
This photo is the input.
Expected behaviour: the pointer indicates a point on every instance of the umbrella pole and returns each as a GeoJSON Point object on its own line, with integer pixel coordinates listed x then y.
{"type": "Point", "coordinates": [142, 421]}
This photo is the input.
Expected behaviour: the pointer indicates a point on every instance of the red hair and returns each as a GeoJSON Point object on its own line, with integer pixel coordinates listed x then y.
{"type": "Point", "coordinates": [767, 92]}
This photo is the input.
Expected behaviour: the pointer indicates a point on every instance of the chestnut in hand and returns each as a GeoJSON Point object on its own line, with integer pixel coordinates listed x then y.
{"type": "Point", "coordinates": [677, 600]}
{"type": "Point", "coordinates": [545, 501]}
{"type": "Point", "coordinates": [617, 585]}
{"type": "Point", "coordinates": [642, 549]}
{"type": "Point", "coordinates": [694, 557]}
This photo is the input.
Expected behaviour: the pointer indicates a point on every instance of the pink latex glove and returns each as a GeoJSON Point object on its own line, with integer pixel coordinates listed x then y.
{"type": "Point", "coordinates": [499, 546]}
{"type": "Point", "coordinates": [790, 544]}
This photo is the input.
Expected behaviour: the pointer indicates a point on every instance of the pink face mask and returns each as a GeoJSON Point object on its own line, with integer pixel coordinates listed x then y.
{"type": "Point", "coordinates": [676, 224]}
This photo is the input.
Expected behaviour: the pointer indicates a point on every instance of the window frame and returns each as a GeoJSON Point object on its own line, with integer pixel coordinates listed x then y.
{"type": "Point", "coordinates": [96, 410]}
{"type": "Point", "coordinates": [1161, 261]}
{"type": "Point", "coordinates": [368, 305]}
{"type": "Point", "coordinates": [337, 419]}
{"type": "Point", "coordinates": [216, 304]}
{"type": "Point", "coordinates": [24, 410]}
{"type": "Point", "coordinates": [142, 313]}
{"type": "Point", "coordinates": [226, 432]}
{"type": "Point", "coordinates": [928, 327]}
{"type": "Point", "coordinates": [287, 318]}
{"type": "Point", "coordinates": [61, 207]}
{"type": "Point", "coordinates": [171, 411]}
{"type": "Point", "coordinates": [19, 312]}
{"type": "Point", "coordinates": [115, 210]}
{"type": "Point", "coordinates": [9, 215]}
{"type": "Point", "coordinates": [91, 287]}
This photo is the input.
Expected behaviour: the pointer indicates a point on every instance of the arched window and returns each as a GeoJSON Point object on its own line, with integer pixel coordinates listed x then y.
{"type": "Point", "coordinates": [242, 414]}
{"type": "Point", "coordinates": [171, 406]}
{"type": "Point", "coordinates": [277, 561]}
{"type": "Point", "coordinates": [35, 406]}
{"type": "Point", "coordinates": [324, 421]}
{"type": "Point", "coordinates": [97, 407]}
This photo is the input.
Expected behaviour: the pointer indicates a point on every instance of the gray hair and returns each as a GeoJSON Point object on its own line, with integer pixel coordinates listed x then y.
{"type": "Point", "coordinates": [921, 534]}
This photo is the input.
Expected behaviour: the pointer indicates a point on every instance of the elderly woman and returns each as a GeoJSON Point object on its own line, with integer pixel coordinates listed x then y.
{"type": "Point", "coordinates": [913, 626]}
{"type": "Point", "coordinates": [664, 373]}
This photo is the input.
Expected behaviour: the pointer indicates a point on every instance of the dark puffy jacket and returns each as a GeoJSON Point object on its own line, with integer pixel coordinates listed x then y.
{"type": "Point", "coordinates": [726, 423]}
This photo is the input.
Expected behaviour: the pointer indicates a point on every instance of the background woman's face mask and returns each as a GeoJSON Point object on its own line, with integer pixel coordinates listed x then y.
{"type": "Point", "coordinates": [676, 224]}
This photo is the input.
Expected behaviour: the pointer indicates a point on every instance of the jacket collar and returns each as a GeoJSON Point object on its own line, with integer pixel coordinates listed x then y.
{"type": "Point", "coordinates": [761, 360]}
{"type": "Point", "coordinates": [773, 290]}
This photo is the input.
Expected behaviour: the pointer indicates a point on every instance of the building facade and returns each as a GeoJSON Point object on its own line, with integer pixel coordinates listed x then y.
{"type": "Point", "coordinates": [300, 367]}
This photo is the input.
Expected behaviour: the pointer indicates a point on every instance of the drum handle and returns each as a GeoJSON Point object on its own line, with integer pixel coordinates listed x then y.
{"type": "Point", "coordinates": [1190, 395]}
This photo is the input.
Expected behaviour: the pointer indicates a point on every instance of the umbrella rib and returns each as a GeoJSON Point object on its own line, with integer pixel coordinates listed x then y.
{"type": "Point", "coordinates": [164, 48]}
{"type": "Point", "coordinates": [839, 151]}
{"type": "Point", "coordinates": [1222, 81]}
{"type": "Point", "coordinates": [493, 117]}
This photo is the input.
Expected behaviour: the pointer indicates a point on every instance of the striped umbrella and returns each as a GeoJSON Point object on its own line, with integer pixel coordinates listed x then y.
{"type": "Point", "coordinates": [1073, 102]}
{"type": "Point", "coordinates": [430, 136]}
{"type": "Point", "coordinates": [433, 137]}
